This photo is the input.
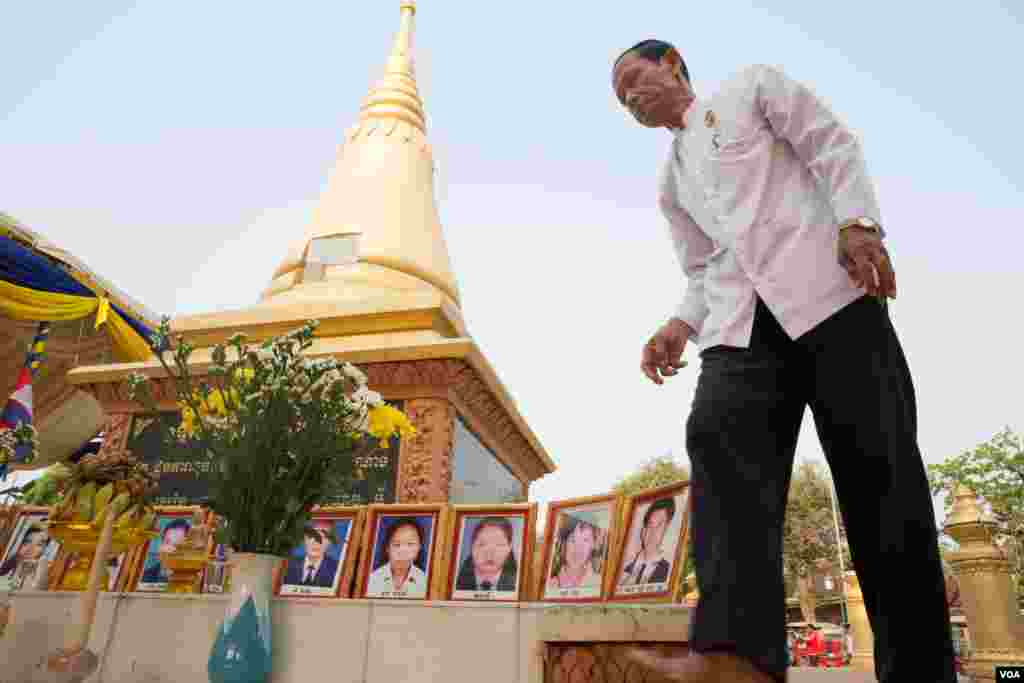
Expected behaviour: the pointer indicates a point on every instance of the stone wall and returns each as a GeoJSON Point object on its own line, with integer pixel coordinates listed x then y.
{"type": "Point", "coordinates": [166, 639]}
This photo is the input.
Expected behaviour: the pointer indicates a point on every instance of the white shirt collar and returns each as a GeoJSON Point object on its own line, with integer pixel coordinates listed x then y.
{"type": "Point", "coordinates": [692, 117]}
{"type": "Point", "coordinates": [414, 574]}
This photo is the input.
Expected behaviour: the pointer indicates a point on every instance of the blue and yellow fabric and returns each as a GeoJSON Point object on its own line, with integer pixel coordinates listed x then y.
{"type": "Point", "coordinates": [34, 287]}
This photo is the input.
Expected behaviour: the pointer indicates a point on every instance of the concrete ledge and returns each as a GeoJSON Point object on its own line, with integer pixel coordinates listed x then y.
{"type": "Point", "coordinates": [158, 638]}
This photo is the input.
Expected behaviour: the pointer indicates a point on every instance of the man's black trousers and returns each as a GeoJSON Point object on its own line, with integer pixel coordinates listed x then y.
{"type": "Point", "coordinates": [741, 437]}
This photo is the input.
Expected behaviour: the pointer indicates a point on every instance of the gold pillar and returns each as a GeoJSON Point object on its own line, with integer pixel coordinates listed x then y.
{"type": "Point", "coordinates": [863, 638]}
{"type": "Point", "coordinates": [986, 591]}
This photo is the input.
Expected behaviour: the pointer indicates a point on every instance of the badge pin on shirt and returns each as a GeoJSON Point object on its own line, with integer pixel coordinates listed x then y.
{"type": "Point", "coordinates": [711, 121]}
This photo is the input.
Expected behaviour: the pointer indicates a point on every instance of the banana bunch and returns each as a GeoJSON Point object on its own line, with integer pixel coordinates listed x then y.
{"type": "Point", "coordinates": [109, 486]}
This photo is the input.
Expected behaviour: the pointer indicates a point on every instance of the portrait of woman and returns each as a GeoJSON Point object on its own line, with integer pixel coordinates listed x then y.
{"type": "Point", "coordinates": [652, 541]}
{"type": "Point", "coordinates": [489, 551]}
{"type": "Point", "coordinates": [578, 558]}
{"type": "Point", "coordinates": [401, 558]}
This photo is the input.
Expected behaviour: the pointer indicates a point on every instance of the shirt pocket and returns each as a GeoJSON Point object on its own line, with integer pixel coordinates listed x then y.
{"type": "Point", "coordinates": [734, 143]}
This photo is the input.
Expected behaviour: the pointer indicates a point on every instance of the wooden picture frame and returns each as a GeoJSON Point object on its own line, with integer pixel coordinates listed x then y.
{"type": "Point", "coordinates": [457, 551]}
{"type": "Point", "coordinates": [373, 585]}
{"type": "Point", "coordinates": [137, 582]}
{"type": "Point", "coordinates": [341, 577]}
{"type": "Point", "coordinates": [22, 518]}
{"type": "Point", "coordinates": [635, 578]}
{"type": "Point", "coordinates": [587, 514]}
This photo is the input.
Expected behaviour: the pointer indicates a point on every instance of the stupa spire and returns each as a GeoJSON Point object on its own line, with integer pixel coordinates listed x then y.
{"type": "Point", "coordinates": [396, 95]}
{"type": "Point", "coordinates": [380, 197]}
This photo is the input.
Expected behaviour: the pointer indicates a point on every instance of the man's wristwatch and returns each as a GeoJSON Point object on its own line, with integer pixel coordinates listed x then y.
{"type": "Point", "coordinates": [864, 223]}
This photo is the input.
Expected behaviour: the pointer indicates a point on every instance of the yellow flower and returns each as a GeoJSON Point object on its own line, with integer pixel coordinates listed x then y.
{"type": "Point", "coordinates": [387, 420]}
{"type": "Point", "coordinates": [188, 419]}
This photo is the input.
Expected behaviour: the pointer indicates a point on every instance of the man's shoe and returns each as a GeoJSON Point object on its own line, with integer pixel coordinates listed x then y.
{"type": "Point", "coordinates": [699, 668]}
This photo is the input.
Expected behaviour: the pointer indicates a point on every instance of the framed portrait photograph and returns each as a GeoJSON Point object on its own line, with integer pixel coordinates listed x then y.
{"type": "Point", "coordinates": [577, 540]}
{"type": "Point", "coordinates": [173, 525]}
{"type": "Point", "coordinates": [490, 552]}
{"type": "Point", "coordinates": [321, 566]}
{"type": "Point", "coordinates": [28, 544]}
{"type": "Point", "coordinates": [400, 551]}
{"type": "Point", "coordinates": [651, 556]}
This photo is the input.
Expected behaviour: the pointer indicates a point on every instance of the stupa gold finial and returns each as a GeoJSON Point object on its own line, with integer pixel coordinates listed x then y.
{"type": "Point", "coordinates": [965, 507]}
{"type": "Point", "coordinates": [396, 96]}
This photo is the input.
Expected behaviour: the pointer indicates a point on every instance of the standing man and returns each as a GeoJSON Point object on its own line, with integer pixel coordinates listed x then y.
{"type": "Point", "coordinates": [775, 223]}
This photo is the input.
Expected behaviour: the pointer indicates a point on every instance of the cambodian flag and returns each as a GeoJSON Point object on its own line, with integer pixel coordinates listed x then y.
{"type": "Point", "coordinates": [18, 409]}
{"type": "Point", "coordinates": [19, 406]}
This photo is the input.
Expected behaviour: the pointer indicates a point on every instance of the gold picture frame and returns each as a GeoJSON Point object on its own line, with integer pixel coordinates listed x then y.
{"type": "Point", "coordinates": [17, 529]}
{"type": "Point", "coordinates": [549, 583]}
{"type": "Point", "coordinates": [674, 500]}
{"type": "Point", "coordinates": [370, 584]}
{"type": "Point", "coordinates": [455, 540]}
{"type": "Point", "coordinates": [141, 553]}
{"type": "Point", "coordinates": [341, 586]}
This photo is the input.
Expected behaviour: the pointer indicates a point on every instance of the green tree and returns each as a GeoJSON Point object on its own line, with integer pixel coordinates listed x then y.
{"type": "Point", "coordinates": [660, 471]}
{"type": "Point", "coordinates": [995, 471]}
{"type": "Point", "coordinates": [809, 538]}
{"type": "Point", "coordinates": [655, 472]}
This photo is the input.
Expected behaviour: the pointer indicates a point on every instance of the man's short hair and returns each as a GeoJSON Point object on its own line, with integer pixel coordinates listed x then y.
{"type": "Point", "coordinates": [653, 50]}
{"type": "Point", "coordinates": [179, 523]}
{"type": "Point", "coordinates": [666, 504]}
{"type": "Point", "coordinates": [321, 534]}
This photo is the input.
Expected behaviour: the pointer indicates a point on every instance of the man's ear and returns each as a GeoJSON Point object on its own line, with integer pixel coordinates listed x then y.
{"type": "Point", "coordinates": [673, 61]}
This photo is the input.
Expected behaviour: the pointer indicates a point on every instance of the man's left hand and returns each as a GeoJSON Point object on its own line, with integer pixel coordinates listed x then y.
{"type": "Point", "coordinates": [865, 258]}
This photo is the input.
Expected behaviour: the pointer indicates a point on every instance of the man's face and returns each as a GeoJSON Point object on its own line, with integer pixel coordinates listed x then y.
{"type": "Point", "coordinates": [172, 539]}
{"type": "Point", "coordinates": [579, 547]}
{"type": "Point", "coordinates": [654, 531]}
{"type": "Point", "coordinates": [655, 93]}
{"type": "Point", "coordinates": [490, 551]}
{"type": "Point", "coordinates": [315, 546]}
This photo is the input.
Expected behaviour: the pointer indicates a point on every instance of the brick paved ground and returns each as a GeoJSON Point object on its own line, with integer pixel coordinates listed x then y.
{"type": "Point", "coordinates": [809, 675]}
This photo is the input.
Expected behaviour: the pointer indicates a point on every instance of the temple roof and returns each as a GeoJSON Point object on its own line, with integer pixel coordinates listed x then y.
{"type": "Point", "coordinates": [65, 416]}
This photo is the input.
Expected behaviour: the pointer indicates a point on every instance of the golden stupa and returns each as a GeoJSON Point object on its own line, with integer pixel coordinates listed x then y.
{"type": "Point", "coordinates": [373, 268]}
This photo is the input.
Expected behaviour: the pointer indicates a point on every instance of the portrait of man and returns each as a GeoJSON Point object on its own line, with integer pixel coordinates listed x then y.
{"type": "Point", "coordinates": [29, 542]}
{"type": "Point", "coordinates": [488, 561]}
{"type": "Point", "coordinates": [401, 557]}
{"type": "Point", "coordinates": [173, 531]}
{"type": "Point", "coordinates": [579, 553]}
{"type": "Point", "coordinates": [315, 567]}
{"type": "Point", "coordinates": [652, 543]}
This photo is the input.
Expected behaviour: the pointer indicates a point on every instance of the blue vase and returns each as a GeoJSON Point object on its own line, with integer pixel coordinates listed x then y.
{"type": "Point", "coordinates": [241, 651]}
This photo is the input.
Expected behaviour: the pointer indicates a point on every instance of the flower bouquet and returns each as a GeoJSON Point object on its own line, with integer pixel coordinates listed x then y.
{"type": "Point", "coordinates": [279, 430]}
{"type": "Point", "coordinates": [18, 444]}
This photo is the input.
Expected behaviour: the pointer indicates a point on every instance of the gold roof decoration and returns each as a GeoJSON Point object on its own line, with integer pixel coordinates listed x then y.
{"type": "Point", "coordinates": [379, 197]}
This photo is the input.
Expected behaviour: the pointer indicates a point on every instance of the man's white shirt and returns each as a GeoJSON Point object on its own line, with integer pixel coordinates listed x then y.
{"type": "Point", "coordinates": [755, 189]}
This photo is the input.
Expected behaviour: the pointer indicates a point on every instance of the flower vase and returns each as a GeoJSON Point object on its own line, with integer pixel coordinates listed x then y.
{"type": "Point", "coordinates": [241, 651]}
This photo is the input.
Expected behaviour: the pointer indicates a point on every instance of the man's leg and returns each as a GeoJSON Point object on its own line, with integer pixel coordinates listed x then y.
{"type": "Point", "coordinates": [741, 436]}
{"type": "Point", "coordinates": [866, 415]}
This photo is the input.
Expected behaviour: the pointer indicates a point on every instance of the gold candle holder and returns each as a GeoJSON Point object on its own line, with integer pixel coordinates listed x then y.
{"type": "Point", "coordinates": [185, 566]}
{"type": "Point", "coordinates": [81, 538]}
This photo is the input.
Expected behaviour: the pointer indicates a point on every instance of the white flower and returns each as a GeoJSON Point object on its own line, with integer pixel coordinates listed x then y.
{"type": "Point", "coordinates": [364, 396]}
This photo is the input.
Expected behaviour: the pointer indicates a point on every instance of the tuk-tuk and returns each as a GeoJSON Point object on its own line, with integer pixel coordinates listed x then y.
{"type": "Point", "coordinates": [832, 652]}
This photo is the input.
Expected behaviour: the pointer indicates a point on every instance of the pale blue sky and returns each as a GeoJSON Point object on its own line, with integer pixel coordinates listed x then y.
{"type": "Point", "coordinates": [178, 148]}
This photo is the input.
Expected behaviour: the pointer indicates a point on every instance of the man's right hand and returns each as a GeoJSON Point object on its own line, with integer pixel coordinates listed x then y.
{"type": "Point", "coordinates": [664, 352]}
